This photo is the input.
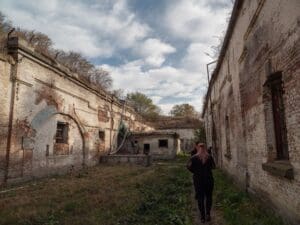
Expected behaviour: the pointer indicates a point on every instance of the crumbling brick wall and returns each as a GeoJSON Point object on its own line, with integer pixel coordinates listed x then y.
{"type": "Point", "coordinates": [48, 102]}
{"type": "Point", "coordinates": [264, 41]}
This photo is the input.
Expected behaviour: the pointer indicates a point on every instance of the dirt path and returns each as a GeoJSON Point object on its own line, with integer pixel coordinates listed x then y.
{"type": "Point", "coordinates": [216, 215]}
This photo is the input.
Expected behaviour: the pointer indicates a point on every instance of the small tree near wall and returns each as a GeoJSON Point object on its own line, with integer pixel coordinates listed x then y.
{"type": "Point", "coordinates": [199, 135]}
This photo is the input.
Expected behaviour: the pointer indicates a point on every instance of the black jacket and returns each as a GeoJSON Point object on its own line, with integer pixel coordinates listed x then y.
{"type": "Point", "coordinates": [203, 171]}
{"type": "Point", "coordinates": [193, 152]}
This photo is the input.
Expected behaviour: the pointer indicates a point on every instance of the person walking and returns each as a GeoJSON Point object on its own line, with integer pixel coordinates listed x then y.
{"type": "Point", "coordinates": [194, 151]}
{"type": "Point", "coordinates": [201, 165]}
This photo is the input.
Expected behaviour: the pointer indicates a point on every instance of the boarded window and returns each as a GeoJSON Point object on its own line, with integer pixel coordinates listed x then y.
{"type": "Point", "coordinates": [227, 135]}
{"type": "Point", "coordinates": [62, 131]}
{"type": "Point", "coordinates": [163, 143]}
{"type": "Point", "coordinates": [103, 115]}
{"type": "Point", "coordinates": [275, 85]}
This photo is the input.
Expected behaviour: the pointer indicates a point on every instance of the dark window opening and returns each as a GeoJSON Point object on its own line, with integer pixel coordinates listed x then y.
{"type": "Point", "coordinates": [102, 135]}
{"type": "Point", "coordinates": [227, 133]}
{"type": "Point", "coordinates": [275, 85]}
{"type": "Point", "coordinates": [146, 149]}
{"type": "Point", "coordinates": [47, 150]}
{"type": "Point", "coordinates": [62, 131]}
{"type": "Point", "coordinates": [163, 143]}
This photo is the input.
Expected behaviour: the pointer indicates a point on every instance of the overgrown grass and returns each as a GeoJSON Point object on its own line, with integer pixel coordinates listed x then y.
{"type": "Point", "coordinates": [182, 157]}
{"type": "Point", "coordinates": [125, 195]}
{"type": "Point", "coordinates": [238, 207]}
{"type": "Point", "coordinates": [108, 195]}
{"type": "Point", "coordinates": [166, 199]}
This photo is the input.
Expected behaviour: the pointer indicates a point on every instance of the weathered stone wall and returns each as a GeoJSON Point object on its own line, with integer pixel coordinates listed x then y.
{"type": "Point", "coordinates": [265, 40]}
{"type": "Point", "coordinates": [45, 93]}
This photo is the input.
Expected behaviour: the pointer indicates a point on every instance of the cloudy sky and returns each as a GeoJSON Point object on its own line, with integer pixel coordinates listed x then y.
{"type": "Point", "coordinates": [158, 47]}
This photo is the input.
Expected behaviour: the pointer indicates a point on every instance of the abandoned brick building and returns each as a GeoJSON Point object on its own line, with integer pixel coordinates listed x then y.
{"type": "Point", "coordinates": [50, 121]}
{"type": "Point", "coordinates": [160, 144]}
{"type": "Point", "coordinates": [184, 126]}
{"type": "Point", "coordinates": [170, 135]}
{"type": "Point", "coordinates": [252, 107]}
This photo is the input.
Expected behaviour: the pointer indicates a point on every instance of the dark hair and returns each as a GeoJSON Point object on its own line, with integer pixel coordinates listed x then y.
{"type": "Point", "coordinates": [209, 150]}
{"type": "Point", "coordinates": [194, 151]}
{"type": "Point", "coordinates": [201, 144]}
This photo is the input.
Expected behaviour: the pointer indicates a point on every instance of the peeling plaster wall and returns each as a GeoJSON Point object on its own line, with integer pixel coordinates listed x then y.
{"type": "Point", "coordinates": [265, 39]}
{"type": "Point", "coordinates": [5, 92]}
{"type": "Point", "coordinates": [45, 95]}
{"type": "Point", "coordinates": [43, 158]}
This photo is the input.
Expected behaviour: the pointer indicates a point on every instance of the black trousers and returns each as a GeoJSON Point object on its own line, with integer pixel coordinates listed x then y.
{"type": "Point", "coordinates": [204, 191]}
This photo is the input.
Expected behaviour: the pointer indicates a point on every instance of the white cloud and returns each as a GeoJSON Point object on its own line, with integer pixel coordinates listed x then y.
{"type": "Point", "coordinates": [160, 83]}
{"type": "Point", "coordinates": [196, 57]}
{"type": "Point", "coordinates": [195, 20]}
{"type": "Point", "coordinates": [154, 51]}
{"type": "Point", "coordinates": [92, 29]}
{"type": "Point", "coordinates": [166, 108]}
{"type": "Point", "coordinates": [156, 99]}
{"type": "Point", "coordinates": [106, 28]}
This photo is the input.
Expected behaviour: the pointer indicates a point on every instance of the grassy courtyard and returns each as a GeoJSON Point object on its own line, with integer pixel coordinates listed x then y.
{"type": "Point", "coordinates": [106, 195]}
{"type": "Point", "coordinates": [124, 194]}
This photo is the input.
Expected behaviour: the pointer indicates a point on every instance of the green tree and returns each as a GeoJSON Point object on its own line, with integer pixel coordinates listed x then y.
{"type": "Point", "coordinates": [143, 105]}
{"type": "Point", "coordinates": [199, 135]}
{"type": "Point", "coordinates": [185, 110]}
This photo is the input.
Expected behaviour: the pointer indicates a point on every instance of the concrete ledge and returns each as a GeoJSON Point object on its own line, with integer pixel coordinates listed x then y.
{"type": "Point", "coordinates": [280, 169]}
{"type": "Point", "coordinates": [145, 160]}
{"type": "Point", "coordinates": [162, 157]}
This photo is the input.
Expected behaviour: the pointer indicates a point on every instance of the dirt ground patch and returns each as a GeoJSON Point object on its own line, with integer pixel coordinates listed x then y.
{"type": "Point", "coordinates": [216, 215]}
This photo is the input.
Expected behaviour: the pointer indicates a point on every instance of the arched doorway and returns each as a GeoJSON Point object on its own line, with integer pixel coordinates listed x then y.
{"type": "Point", "coordinates": [59, 143]}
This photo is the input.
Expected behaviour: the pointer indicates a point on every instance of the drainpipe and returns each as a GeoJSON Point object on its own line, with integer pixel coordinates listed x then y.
{"type": "Point", "coordinates": [13, 76]}
{"type": "Point", "coordinates": [8, 35]}
{"type": "Point", "coordinates": [213, 135]}
{"type": "Point", "coordinates": [111, 126]}
{"type": "Point", "coordinates": [207, 69]}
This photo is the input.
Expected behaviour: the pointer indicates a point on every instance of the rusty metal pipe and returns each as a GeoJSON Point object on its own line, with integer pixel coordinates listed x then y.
{"type": "Point", "coordinates": [11, 116]}
{"type": "Point", "coordinates": [8, 35]}
{"type": "Point", "coordinates": [211, 109]}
